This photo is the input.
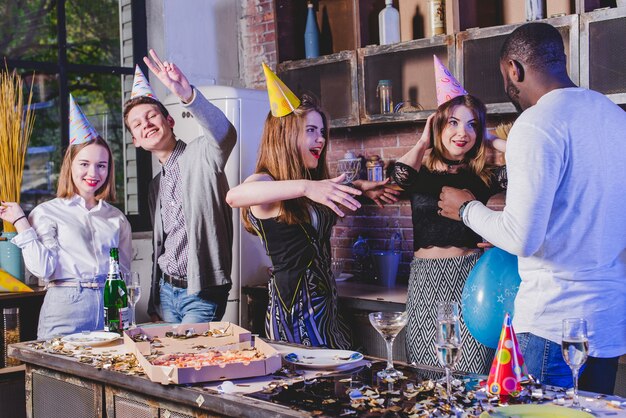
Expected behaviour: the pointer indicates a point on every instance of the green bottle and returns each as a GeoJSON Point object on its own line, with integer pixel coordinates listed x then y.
{"type": "Point", "coordinates": [116, 312]}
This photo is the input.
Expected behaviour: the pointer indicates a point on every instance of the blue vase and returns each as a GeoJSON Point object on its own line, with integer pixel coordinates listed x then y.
{"type": "Point", "coordinates": [311, 35]}
{"type": "Point", "coordinates": [11, 259]}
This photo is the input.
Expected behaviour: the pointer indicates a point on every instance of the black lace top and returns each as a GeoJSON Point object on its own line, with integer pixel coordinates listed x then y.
{"type": "Point", "coordinates": [430, 229]}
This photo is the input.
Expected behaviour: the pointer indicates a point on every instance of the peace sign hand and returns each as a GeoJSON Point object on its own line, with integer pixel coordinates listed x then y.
{"type": "Point", "coordinates": [171, 76]}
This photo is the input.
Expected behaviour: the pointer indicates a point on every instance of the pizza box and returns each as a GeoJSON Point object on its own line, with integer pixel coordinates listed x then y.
{"type": "Point", "coordinates": [221, 336]}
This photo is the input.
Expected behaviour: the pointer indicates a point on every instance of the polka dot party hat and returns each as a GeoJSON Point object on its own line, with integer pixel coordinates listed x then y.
{"type": "Point", "coordinates": [508, 369]}
{"type": "Point", "coordinates": [447, 86]}
{"type": "Point", "coordinates": [80, 129]}
{"type": "Point", "coordinates": [282, 99]}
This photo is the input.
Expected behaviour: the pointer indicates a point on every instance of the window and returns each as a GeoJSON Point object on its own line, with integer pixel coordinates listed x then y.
{"type": "Point", "coordinates": [87, 48]}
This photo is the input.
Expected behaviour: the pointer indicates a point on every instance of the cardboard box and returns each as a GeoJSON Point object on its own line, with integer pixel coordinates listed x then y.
{"type": "Point", "coordinates": [233, 337]}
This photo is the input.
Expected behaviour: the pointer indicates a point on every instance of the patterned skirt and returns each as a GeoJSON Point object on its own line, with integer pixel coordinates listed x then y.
{"type": "Point", "coordinates": [310, 318]}
{"type": "Point", "coordinates": [433, 280]}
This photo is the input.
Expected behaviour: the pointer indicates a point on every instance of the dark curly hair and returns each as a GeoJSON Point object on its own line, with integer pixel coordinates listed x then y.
{"type": "Point", "coordinates": [538, 45]}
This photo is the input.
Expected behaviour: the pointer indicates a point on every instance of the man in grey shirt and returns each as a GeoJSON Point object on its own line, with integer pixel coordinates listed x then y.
{"type": "Point", "coordinates": [192, 223]}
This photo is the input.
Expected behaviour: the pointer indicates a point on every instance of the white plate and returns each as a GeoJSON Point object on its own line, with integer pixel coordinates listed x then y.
{"type": "Point", "coordinates": [322, 358]}
{"type": "Point", "coordinates": [343, 277]}
{"type": "Point", "coordinates": [92, 338]}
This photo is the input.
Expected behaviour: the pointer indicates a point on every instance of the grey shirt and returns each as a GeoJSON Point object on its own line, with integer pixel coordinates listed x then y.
{"type": "Point", "coordinates": [208, 218]}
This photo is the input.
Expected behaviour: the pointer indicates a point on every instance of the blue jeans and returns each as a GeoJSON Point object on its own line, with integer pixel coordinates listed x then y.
{"type": "Point", "coordinates": [206, 306]}
{"type": "Point", "coordinates": [544, 360]}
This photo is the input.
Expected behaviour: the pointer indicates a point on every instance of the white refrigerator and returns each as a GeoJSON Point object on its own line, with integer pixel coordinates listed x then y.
{"type": "Point", "coordinates": [246, 109]}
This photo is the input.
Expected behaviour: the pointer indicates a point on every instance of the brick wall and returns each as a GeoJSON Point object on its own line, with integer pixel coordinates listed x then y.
{"type": "Point", "coordinates": [258, 41]}
{"type": "Point", "coordinates": [388, 141]}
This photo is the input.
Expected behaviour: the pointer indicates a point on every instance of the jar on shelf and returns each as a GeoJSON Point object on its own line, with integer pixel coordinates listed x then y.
{"type": "Point", "coordinates": [375, 168]}
{"type": "Point", "coordinates": [383, 92]}
{"type": "Point", "coordinates": [10, 333]}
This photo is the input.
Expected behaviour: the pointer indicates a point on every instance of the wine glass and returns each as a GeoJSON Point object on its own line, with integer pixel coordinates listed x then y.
{"type": "Point", "coordinates": [133, 286]}
{"type": "Point", "coordinates": [448, 338]}
{"type": "Point", "coordinates": [388, 325]}
{"type": "Point", "coordinates": [575, 347]}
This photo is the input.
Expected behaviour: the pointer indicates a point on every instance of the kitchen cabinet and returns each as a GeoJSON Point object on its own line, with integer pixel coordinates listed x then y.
{"type": "Point", "coordinates": [409, 67]}
{"type": "Point", "coordinates": [330, 79]}
{"type": "Point", "coordinates": [478, 55]}
{"type": "Point", "coordinates": [602, 50]}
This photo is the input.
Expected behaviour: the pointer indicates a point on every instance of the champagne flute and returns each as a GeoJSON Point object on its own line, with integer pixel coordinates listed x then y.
{"type": "Point", "coordinates": [388, 325]}
{"type": "Point", "coordinates": [133, 286]}
{"type": "Point", "coordinates": [448, 338]}
{"type": "Point", "coordinates": [575, 347]}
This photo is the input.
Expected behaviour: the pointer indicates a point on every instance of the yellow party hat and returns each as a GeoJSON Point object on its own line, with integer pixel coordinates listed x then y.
{"type": "Point", "coordinates": [282, 100]}
{"type": "Point", "coordinates": [9, 283]}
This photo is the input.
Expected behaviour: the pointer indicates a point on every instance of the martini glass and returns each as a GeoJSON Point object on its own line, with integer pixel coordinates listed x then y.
{"type": "Point", "coordinates": [388, 325]}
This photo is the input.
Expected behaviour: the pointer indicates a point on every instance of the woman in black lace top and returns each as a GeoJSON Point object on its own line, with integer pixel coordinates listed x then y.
{"type": "Point", "coordinates": [445, 251]}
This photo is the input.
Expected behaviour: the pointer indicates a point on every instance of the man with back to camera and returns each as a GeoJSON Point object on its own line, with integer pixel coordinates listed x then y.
{"type": "Point", "coordinates": [565, 213]}
{"type": "Point", "coordinates": [192, 223]}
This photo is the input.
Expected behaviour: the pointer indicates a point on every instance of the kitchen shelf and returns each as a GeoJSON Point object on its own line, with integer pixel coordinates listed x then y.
{"type": "Point", "coordinates": [332, 79]}
{"type": "Point", "coordinates": [409, 66]}
{"type": "Point", "coordinates": [343, 25]}
{"type": "Point", "coordinates": [478, 55]}
{"type": "Point", "coordinates": [602, 51]}
{"type": "Point", "coordinates": [471, 49]}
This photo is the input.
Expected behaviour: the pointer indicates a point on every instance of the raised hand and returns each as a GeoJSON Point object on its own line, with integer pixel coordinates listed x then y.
{"type": "Point", "coordinates": [427, 133]}
{"type": "Point", "coordinates": [379, 191]}
{"type": "Point", "coordinates": [331, 192]}
{"type": "Point", "coordinates": [171, 76]}
{"type": "Point", "coordinates": [12, 212]}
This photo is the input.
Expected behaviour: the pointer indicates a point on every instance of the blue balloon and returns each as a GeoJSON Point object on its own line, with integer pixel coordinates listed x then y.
{"type": "Point", "coordinates": [488, 294]}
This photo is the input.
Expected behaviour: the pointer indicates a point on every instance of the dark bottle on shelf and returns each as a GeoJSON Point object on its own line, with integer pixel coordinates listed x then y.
{"type": "Point", "coordinates": [116, 312]}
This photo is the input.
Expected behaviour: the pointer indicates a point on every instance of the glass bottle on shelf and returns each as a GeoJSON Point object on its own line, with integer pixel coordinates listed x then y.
{"type": "Point", "coordinates": [437, 12]}
{"type": "Point", "coordinates": [116, 314]}
{"type": "Point", "coordinates": [10, 333]}
{"type": "Point", "coordinates": [389, 24]}
{"type": "Point", "coordinates": [311, 34]}
{"type": "Point", "coordinates": [535, 10]}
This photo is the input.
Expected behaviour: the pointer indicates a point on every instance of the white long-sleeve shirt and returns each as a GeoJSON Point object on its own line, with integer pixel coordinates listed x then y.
{"type": "Point", "coordinates": [565, 217]}
{"type": "Point", "coordinates": [69, 242]}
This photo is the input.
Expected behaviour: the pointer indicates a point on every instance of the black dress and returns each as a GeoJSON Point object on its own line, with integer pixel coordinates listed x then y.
{"type": "Point", "coordinates": [302, 291]}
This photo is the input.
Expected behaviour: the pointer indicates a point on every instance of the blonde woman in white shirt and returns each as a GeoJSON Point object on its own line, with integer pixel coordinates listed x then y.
{"type": "Point", "coordinates": [66, 241]}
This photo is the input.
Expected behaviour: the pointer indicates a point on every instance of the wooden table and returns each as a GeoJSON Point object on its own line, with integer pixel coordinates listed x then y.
{"type": "Point", "coordinates": [61, 386]}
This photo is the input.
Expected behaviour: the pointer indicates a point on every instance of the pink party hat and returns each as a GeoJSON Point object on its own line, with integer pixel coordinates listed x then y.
{"type": "Point", "coordinates": [447, 86]}
{"type": "Point", "coordinates": [141, 87]}
{"type": "Point", "coordinates": [80, 128]}
{"type": "Point", "coordinates": [508, 369]}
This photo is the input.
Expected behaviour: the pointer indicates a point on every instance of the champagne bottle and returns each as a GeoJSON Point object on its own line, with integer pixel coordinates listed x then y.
{"type": "Point", "coordinates": [116, 312]}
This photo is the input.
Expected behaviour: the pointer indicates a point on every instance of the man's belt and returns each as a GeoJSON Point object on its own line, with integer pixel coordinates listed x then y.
{"type": "Point", "coordinates": [175, 281]}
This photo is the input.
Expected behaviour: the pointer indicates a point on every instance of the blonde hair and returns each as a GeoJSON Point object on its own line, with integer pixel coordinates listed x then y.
{"type": "Point", "coordinates": [279, 156]}
{"type": "Point", "coordinates": [66, 187]}
{"type": "Point", "coordinates": [475, 158]}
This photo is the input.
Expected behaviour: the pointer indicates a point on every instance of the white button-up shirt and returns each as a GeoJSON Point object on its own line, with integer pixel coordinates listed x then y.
{"type": "Point", "coordinates": [69, 241]}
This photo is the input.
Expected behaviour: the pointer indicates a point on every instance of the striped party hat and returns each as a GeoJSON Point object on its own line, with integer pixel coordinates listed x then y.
{"type": "Point", "coordinates": [80, 128]}
{"type": "Point", "coordinates": [141, 87]}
